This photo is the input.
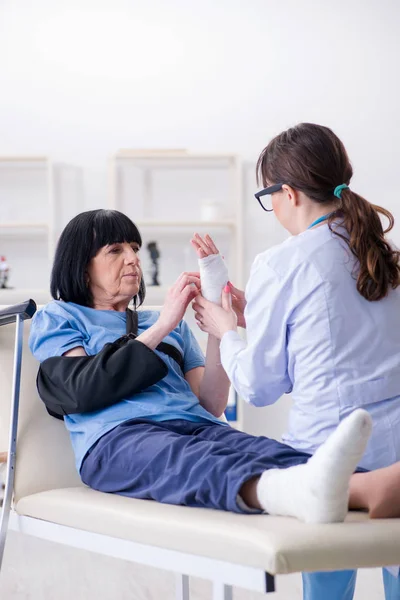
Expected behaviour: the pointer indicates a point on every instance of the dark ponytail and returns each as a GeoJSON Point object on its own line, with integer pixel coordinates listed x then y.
{"type": "Point", "coordinates": [378, 263]}
{"type": "Point", "coordinates": [311, 158]}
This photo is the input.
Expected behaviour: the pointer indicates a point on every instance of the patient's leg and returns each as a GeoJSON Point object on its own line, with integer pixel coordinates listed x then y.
{"type": "Point", "coordinates": [377, 491]}
{"type": "Point", "coordinates": [318, 491]}
{"type": "Point", "coordinates": [197, 464]}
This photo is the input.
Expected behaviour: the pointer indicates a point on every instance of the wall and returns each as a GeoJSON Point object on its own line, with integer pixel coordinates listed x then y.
{"type": "Point", "coordinates": [81, 79]}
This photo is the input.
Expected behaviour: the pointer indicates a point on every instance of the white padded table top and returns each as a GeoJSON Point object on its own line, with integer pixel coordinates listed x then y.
{"type": "Point", "coordinates": [275, 544]}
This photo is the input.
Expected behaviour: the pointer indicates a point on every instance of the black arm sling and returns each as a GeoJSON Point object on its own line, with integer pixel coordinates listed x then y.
{"type": "Point", "coordinates": [132, 329]}
{"type": "Point", "coordinates": [79, 384]}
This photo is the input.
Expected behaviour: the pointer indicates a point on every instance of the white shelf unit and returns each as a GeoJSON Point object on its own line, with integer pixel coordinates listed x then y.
{"type": "Point", "coordinates": [143, 207]}
{"type": "Point", "coordinates": [183, 224]}
{"type": "Point", "coordinates": [15, 227]}
{"type": "Point", "coordinates": [148, 164]}
{"type": "Point", "coordinates": [34, 211]}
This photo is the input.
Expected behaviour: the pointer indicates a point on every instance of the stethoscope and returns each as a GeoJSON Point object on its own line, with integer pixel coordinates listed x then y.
{"type": "Point", "coordinates": [317, 221]}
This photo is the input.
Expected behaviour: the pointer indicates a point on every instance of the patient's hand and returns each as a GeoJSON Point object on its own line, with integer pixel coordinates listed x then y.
{"type": "Point", "coordinates": [178, 298]}
{"type": "Point", "coordinates": [204, 246]}
{"type": "Point", "coordinates": [213, 270]}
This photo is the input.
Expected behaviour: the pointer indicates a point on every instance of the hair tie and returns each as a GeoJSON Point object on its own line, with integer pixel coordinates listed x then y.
{"type": "Point", "coordinates": [338, 190]}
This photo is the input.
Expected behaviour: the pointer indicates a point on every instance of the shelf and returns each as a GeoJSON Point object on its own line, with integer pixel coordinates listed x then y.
{"type": "Point", "coordinates": [175, 160]}
{"type": "Point", "coordinates": [13, 229]}
{"type": "Point", "coordinates": [182, 224]}
{"type": "Point", "coordinates": [17, 225]}
{"type": "Point", "coordinates": [145, 152]}
{"type": "Point", "coordinates": [144, 169]}
{"type": "Point", "coordinates": [172, 155]}
{"type": "Point", "coordinates": [16, 163]}
{"type": "Point", "coordinates": [4, 158]}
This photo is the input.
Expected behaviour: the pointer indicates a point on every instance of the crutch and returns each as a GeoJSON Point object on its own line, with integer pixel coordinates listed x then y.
{"type": "Point", "coordinates": [18, 313]}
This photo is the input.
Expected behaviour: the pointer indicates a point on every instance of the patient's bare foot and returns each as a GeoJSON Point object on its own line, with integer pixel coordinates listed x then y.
{"type": "Point", "coordinates": [377, 491]}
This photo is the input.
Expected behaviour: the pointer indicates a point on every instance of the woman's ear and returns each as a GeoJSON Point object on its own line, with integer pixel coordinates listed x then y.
{"type": "Point", "coordinates": [291, 194]}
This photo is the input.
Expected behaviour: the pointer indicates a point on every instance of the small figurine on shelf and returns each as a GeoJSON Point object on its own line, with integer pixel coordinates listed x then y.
{"type": "Point", "coordinates": [4, 272]}
{"type": "Point", "coordinates": [154, 256]}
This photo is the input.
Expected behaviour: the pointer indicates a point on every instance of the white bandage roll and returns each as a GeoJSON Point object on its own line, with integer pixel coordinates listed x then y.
{"type": "Point", "coordinates": [214, 276]}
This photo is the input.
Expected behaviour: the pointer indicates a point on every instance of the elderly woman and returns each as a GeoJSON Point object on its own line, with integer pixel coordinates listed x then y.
{"type": "Point", "coordinates": [143, 407]}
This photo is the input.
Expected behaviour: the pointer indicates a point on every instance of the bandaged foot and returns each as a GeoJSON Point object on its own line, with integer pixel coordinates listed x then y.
{"type": "Point", "coordinates": [318, 491]}
{"type": "Point", "coordinates": [213, 277]}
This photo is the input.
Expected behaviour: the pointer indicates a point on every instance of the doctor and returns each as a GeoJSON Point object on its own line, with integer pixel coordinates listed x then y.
{"type": "Point", "coordinates": [321, 310]}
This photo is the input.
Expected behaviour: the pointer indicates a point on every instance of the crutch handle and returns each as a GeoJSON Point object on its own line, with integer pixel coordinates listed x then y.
{"type": "Point", "coordinates": [25, 310]}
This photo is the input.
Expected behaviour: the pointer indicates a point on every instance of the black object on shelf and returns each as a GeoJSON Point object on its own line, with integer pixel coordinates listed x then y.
{"type": "Point", "coordinates": [154, 256]}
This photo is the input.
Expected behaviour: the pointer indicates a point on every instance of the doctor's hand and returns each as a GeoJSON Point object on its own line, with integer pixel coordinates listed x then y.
{"type": "Point", "coordinates": [213, 319]}
{"type": "Point", "coordinates": [238, 304]}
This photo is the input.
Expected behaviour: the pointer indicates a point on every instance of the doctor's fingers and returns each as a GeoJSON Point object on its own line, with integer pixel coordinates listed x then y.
{"type": "Point", "coordinates": [236, 293]}
{"type": "Point", "coordinates": [199, 318]}
{"type": "Point", "coordinates": [226, 299]}
{"type": "Point", "coordinates": [201, 326]}
{"type": "Point", "coordinates": [202, 302]}
{"type": "Point", "coordinates": [202, 322]}
{"type": "Point", "coordinates": [198, 309]}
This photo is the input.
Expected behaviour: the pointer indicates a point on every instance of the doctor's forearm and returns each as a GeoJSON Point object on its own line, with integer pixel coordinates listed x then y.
{"type": "Point", "coordinates": [214, 387]}
{"type": "Point", "coordinates": [253, 382]}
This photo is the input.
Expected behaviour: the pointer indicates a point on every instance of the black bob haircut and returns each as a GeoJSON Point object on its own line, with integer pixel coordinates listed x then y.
{"type": "Point", "coordinates": [79, 242]}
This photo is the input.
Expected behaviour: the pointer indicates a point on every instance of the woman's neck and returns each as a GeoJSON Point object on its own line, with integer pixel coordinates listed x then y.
{"type": "Point", "coordinates": [118, 306]}
{"type": "Point", "coordinates": [308, 217]}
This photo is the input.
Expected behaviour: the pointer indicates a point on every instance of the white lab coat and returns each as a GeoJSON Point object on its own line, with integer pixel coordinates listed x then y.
{"type": "Point", "coordinates": [309, 332]}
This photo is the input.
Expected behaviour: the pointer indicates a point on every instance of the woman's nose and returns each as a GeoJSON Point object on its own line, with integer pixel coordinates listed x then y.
{"type": "Point", "coordinates": [131, 257]}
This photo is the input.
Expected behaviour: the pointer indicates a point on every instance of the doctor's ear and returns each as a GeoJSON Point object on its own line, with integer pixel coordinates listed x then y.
{"type": "Point", "coordinates": [291, 194]}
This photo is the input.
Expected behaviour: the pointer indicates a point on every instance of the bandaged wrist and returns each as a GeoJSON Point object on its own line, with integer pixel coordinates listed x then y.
{"type": "Point", "coordinates": [213, 276]}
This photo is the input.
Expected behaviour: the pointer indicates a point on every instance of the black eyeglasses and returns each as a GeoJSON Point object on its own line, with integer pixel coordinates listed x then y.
{"type": "Point", "coordinates": [266, 192]}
